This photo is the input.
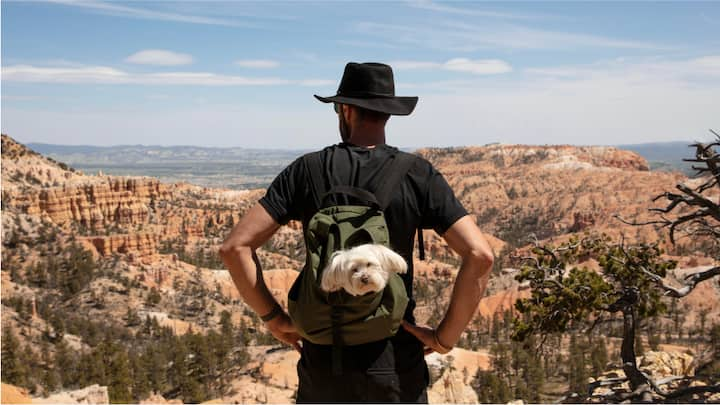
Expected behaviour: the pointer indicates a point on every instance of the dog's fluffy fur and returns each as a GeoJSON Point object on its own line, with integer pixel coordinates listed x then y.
{"type": "Point", "coordinates": [362, 269]}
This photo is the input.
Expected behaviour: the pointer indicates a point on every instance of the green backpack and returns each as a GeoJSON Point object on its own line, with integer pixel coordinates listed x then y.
{"type": "Point", "coordinates": [338, 318]}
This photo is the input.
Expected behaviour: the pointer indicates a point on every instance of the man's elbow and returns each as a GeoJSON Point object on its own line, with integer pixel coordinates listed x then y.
{"type": "Point", "coordinates": [229, 250]}
{"type": "Point", "coordinates": [481, 259]}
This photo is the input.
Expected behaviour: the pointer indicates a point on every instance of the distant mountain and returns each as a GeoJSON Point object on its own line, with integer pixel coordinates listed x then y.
{"type": "Point", "coordinates": [124, 154]}
{"type": "Point", "coordinates": [237, 168]}
{"type": "Point", "coordinates": [242, 168]}
{"type": "Point", "coordinates": [665, 156]}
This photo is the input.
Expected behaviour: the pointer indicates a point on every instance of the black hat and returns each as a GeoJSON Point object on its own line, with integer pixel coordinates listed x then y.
{"type": "Point", "coordinates": [371, 86]}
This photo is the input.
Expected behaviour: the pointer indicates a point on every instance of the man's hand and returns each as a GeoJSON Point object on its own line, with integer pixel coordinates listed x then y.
{"type": "Point", "coordinates": [427, 337]}
{"type": "Point", "coordinates": [283, 329]}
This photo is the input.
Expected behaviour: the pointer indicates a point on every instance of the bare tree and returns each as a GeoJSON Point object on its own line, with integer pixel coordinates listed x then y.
{"type": "Point", "coordinates": [701, 218]}
{"type": "Point", "coordinates": [633, 277]}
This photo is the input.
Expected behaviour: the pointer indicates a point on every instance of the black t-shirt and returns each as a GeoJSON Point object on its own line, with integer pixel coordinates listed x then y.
{"type": "Point", "coordinates": [423, 197]}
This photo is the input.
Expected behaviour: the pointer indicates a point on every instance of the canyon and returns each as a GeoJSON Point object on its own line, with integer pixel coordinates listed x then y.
{"type": "Point", "coordinates": [155, 247]}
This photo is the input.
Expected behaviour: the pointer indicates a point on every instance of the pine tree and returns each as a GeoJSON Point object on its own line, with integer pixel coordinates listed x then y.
{"type": "Point", "coordinates": [14, 369]}
{"type": "Point", "coordinates": [534, 376]}
{"type": "Point", "coordinates": [49, 381]}
{"type": "Point", "coordinates": [65, 364]}
{"type": "Point", "coordinates": [490, 388]}
{"type": "Point", "coordinates": [495, 328]}
{"type": "Point", "coordinates": [33, 367]}
{"type": "Point", "coordinates": [500, 353]}
{"type": "Point", "coordinates": [119, 379]}
{"type": "Point", "coordinates": [132, 318]}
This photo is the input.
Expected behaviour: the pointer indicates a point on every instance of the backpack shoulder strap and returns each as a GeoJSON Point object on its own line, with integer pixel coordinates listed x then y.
{"type": "Point", "coordinates": [316, 177]}
{"type": "Point", "coordinates": [355, 192]}
{"type": "Point", "coordinates": [399, 167]}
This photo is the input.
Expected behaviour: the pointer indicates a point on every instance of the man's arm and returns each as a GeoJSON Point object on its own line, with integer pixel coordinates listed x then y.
{"type": "Point", "coordinates": [465, 238]}
{"type": "Point", "coordinates": [238, 254]}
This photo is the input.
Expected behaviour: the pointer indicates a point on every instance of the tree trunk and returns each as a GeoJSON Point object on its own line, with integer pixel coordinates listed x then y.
{"type": "Point", "coordinates": [627, 351]}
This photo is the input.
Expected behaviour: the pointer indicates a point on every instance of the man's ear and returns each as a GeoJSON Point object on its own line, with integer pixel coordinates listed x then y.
{"type": "Point", "coordinates": [390, 260]}
{"type": "Point", "coordinates": [333, 275]}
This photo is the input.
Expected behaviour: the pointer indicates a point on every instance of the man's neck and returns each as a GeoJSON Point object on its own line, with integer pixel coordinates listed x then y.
{"type": "Point", "coordinates": [368, 136]}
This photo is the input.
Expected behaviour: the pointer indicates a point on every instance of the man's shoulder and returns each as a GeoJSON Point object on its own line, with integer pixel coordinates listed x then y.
{"type": "Point", "coordinates": [317, 153]}
{"type": "Point", "coordinates": [420, 164]}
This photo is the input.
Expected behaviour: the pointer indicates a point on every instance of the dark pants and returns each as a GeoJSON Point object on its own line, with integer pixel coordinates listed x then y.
{"type": "Point", "coordinates": [392, 370]}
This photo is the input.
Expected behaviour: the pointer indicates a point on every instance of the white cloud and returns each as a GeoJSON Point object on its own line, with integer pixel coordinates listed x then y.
{"type": "Point", "coordinates": [444, 8]}
{"type": "Point", "coordinates": [613, 102]}
{"type": "Point", "coordinates": [478, 67]}
{"type": "Point", "coordinates": [414, 64]}
{"type": "Point", "coordinates": [458, 36]}
{"type": "Point", "coordinates": [707, 67]}
{"type": "Point", "coordinates": [109, 75]}
{"type": "Point", "coordinates": [257, 63]}
{"type": "Point", "coordinates": [247, 124]}
{"type": "Point", "coordinates": [159, 57]}
{"type": "Point", "coordinates": [317, 82]}
{"type": "Point", "coordinates": [146, 14]}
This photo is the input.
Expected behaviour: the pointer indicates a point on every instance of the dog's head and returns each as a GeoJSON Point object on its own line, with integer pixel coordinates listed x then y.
{"type": "Point", "coordinates": [362, 269]}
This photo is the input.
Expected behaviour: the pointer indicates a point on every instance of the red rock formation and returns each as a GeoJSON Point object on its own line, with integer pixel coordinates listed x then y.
{"type": "Point", "coordinates": [515, 190]}
{"type": "Point", "coordinates": [99, 204]}
{"type": "Point", "coordinates": [140, 243]}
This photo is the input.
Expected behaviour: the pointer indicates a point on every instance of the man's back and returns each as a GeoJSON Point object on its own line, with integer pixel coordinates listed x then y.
{"type": "Point", "coordinates": [422, 197]}
{"type": "Point", "coordinates": [388, 370]}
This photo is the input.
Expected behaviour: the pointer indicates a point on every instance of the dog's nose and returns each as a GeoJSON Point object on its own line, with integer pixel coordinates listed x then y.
{"type": "Point", "coordinates": [364, 279]}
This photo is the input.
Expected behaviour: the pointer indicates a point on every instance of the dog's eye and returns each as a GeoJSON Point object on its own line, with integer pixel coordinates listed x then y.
{"type": "Point", "coordinates": [355, 269]}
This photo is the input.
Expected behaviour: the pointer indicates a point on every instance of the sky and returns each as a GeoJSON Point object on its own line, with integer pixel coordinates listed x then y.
{"type": "Point", "coordinates": [243, 73]}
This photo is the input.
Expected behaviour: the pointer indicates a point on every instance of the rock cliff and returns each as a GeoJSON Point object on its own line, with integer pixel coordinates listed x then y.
{"type": "Point", "coordinates": [549, 191]}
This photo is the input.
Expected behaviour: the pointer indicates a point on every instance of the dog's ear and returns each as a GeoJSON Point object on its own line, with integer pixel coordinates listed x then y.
{"type": "Point", "coordinates": [390, 260]}
{"type": "Point", "coordinates": [333, 275]}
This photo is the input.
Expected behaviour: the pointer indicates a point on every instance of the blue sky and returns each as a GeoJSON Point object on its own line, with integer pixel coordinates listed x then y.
{"type": "Point", "coordinates": [243, 73]}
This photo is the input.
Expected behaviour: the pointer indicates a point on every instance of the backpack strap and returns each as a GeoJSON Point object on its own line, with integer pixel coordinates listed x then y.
{"type": "Point", "coordinates": [316, 172]}
{"type": "Point", "coordinates": [355, 192]}
{"type": "Point", "coordinates": [399, 167]}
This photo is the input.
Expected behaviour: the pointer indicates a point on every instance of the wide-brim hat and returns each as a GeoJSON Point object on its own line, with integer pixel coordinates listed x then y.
{"type": "Point", "coordinates": [371, 86]}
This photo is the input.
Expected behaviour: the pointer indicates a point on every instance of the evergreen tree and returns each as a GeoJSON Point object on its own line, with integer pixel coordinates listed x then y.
{"type": "Point", "coordinates": [33, 367]}
{"type": "Point", "coordinates": [14, 366]}
{"type": "Point", "coordinates": [500, 354]}
{"type": "Point", "coordinates": [118, 378]}
{"type": "Point", "coordinates": [65, 364]}
{"type": "Point", "coordinates": [490, 388]}
{"type": "Point", "coordinates": [534, 377]}
{"type": "Point", "coordinates": [153, 297]}
{"type": "Point", "coordinates": [154, 362]}
{"type": "Point", "coordinates": [132, 318]}
{"type": "Point", "coordinates": [50, 379]}
{"type": "Point", "coordinates": [495, 328]}
{"type": "Point", "coordinates": [77, 270]}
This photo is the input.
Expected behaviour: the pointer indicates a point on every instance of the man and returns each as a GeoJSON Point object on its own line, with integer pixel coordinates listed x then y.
{"type": "Point", "coordinates": [391, 370]}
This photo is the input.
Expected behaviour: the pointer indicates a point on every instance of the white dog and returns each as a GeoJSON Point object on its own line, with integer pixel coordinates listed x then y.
{"type": "Point", "coordinates": [362, 269]}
